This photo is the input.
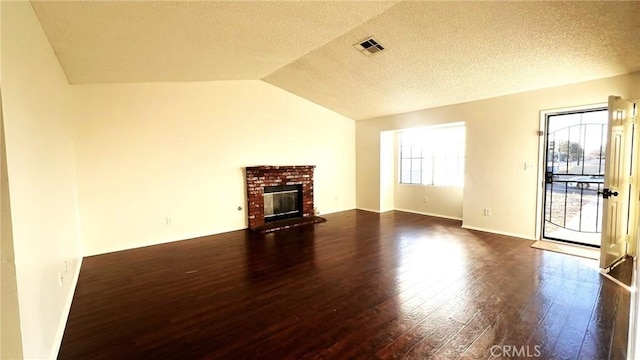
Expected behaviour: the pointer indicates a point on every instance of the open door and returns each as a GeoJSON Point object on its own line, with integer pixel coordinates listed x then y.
{"type": "Point", "coordinates": [617, 181]}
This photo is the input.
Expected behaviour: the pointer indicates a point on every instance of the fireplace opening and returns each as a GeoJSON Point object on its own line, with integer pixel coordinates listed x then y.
{"type": "Point", "coordinates": [282, 202]}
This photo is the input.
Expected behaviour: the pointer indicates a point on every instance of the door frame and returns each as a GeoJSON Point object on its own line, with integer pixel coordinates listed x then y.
{"type": "Point", "coordinates": [634, 205]}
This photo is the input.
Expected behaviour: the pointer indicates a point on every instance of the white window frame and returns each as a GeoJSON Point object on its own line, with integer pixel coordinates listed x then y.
{"type": "Point", "coordinates": [433, 145]}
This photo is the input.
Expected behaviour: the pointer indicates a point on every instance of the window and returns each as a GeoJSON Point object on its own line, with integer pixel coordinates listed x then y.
{"type": "Point", "coordinates": [433, 155]}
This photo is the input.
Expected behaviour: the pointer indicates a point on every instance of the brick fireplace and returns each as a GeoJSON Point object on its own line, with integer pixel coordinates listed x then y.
{"type": "Point", "coordinates": [279, 179]}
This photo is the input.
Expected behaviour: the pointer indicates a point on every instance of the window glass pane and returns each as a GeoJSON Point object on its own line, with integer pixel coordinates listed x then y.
{"type": "Point", "coordinates": [406, 165]}
{"type": "Point", "coordinates": [439, 166]}
{"type": "Point", "coordinates": [427, 171]}
{"type": "Point", "coordinates": [405, 151]}
{"type": "Point", "coordinates": [415, 177]}
{"type": "Point", "coordinates": [416, 164]}
{"type": "Point", "coordinates": [405, 177]}
{"type": "Point", "coordinates": [416, 152]}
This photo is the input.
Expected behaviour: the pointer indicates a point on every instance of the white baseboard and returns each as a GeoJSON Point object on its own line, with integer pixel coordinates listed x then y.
{"type": "Point", "coordinates": [369, 210]}
{"type": "Point", "coordinates": [430, 214]}
{"type": "Point", "coordinates": [521, 236]}
{"type": "Point", "coordinates": [67, 309]}
{"type": "Point", "coordinates": [141, 245]}
{"type": "Point", "coordinates": [334, 211]}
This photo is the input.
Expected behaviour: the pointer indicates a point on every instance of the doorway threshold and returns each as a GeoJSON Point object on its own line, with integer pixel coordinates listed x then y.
{"type": "Point", "coordinates": [569, 249]}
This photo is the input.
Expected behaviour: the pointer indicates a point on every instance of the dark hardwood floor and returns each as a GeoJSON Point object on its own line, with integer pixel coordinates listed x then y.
{"type": "Point", "coordinates": [623, 272]}
{"type": "Point", "coordinates": [361, 285]}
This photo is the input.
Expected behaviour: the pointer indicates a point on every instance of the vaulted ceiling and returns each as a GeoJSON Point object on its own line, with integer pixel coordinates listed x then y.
{"type": "Point", "coordinates": [436, 53]}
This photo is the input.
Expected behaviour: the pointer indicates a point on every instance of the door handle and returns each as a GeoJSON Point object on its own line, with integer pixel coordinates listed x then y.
{"type": "Point", "coordinates": [549, 177]}
{"type": "Point", "coordinates": [606, 193]}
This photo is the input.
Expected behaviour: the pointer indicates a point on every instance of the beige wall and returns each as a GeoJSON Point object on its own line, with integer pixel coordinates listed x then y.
{"type": "Point", "coordinates": [368, 167]}
{"type": "Point", "coordinates": [10, 335]}
{"type": "Point", "coordinates": [501, 138]}
{"type": "Point", "coordinates": [149, 151]}
{"type": "Point", "coordinates": [38, 118]}
{"type": "Point", "coordinates": [441, 201]}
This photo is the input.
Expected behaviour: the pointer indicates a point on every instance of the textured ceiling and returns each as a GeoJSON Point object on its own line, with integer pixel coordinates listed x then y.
{"type": "Point", "coordinates": [449, 52]}
{"type": "Point", "coordinates": [437, 53]}
{"type": "Point", "coordinates": [130, 41]}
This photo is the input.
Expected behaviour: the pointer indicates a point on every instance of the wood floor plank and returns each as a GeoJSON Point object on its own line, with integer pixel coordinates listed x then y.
{"type": "Point", "coordinates": [362, 285]}
{"type": "Point", "coordinates": [569, 342]}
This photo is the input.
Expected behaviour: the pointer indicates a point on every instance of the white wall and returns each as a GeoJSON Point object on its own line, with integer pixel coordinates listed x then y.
{"type": "Point", "coordinates": [149, 151]}
{"type": "Point", "coordinates": [388, 175]}
{"type": "Point", "coordinates": [442, 201]}
{"type": "Point", "coordinates": [10, 333]}
{"type": "Point", "coordinates": [501, 137]}
{"type": "Point", "coordinates": [39, 130]}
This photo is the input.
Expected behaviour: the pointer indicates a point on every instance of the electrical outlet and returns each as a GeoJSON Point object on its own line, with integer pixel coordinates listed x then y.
{"type": "Point", "coordinates": [61, 278]}
{"type": "Point", "coordinates": [168, 220]}
{"type": "Point", "coordinates": [425, 199]}
{"type": "Point", "coordinates": [487, 212]}
{"type": "Point", "coordinates": [66, 267]}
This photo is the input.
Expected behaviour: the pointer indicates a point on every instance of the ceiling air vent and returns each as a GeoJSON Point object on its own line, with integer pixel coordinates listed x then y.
{"type": "Point", "coordinates": [369, 46]}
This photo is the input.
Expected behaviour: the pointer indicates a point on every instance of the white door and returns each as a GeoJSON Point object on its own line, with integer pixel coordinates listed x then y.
{"type": "Point", "coordinates": [617, 181]}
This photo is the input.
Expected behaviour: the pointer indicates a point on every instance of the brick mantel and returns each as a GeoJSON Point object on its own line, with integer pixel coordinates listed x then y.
{"type": "Point", "coordinates": [258, 177]}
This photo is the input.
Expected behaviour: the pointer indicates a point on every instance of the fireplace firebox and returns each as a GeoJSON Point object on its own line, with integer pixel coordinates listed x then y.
{"type": "Point", "coordinates": [282, 202]}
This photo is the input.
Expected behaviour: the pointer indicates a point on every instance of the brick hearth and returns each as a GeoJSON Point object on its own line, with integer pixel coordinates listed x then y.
{"type": "Point", "coordinates": [260, 176]}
